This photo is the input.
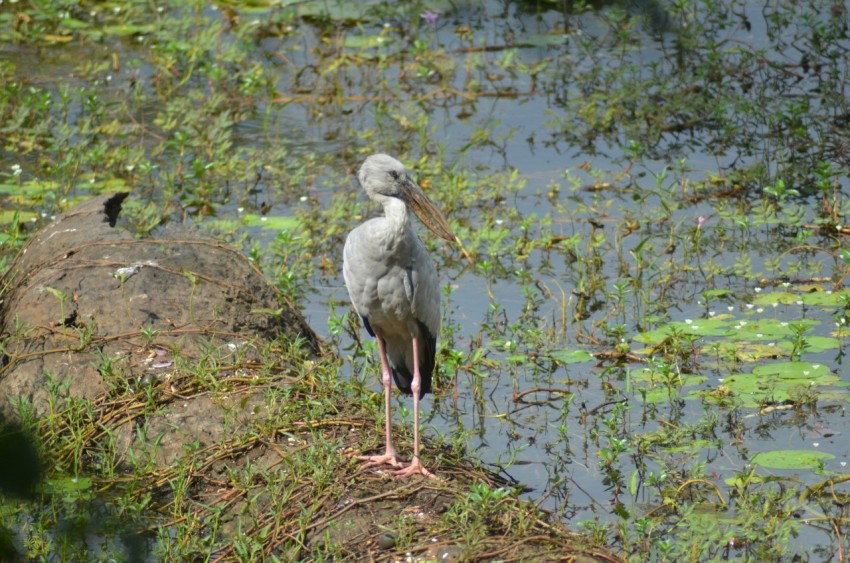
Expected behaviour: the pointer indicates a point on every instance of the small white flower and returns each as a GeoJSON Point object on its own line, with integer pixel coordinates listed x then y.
{"type": "Point", "coordinates": [760, 310]}
{"type": "Point", "coordinates": [757, 289]}
{"type": "Point", "coordinates": [816, 444]}
{"type": "Point", "coordinates": [731, 308]}
{"type": "Point", "coordinates": [711, 313]}
{"type": "Point", "coordinates": [750, 305]}
{"type": "Point", "coordinates": [117, 9]}
{"type": "Point", "coordinates": [688, 321]}
{"type": "Point", "coordinates": [775, 305]}
{"type": "Point", "coordinates": [799, 302]}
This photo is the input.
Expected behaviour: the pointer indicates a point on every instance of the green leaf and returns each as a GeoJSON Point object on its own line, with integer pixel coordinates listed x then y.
{"type": "Point", "coordinates": [793, 370]}
{"type": "Point", "coordinates": [278, 223]}
{"type": "Point", "coordinates": [791, 459]}
{"type": "Point", "coordinates": [779, 382]}
{"type": "Point", "coordinates": [571, 356]}
{"type": "Point", "coordinates": [766, 329]}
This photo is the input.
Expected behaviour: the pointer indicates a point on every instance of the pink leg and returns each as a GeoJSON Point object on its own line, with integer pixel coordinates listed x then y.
{"type": "Point", "coordinates": [390, 456]}
{"type": "Point", "coordinates": [415, 467]}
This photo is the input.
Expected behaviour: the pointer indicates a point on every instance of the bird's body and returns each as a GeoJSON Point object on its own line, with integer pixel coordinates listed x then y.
{"type": "Point", "coordinates": [386, 286]}
{"type": "Point", "coordinates": [393, 286]}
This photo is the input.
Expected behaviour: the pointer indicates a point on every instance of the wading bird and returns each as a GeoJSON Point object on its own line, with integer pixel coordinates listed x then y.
{"type": "Point", "coordinates": [394, 288]}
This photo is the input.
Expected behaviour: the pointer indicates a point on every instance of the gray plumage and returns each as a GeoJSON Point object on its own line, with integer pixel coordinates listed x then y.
{"type": "Point", "coordinates": [391, 280]}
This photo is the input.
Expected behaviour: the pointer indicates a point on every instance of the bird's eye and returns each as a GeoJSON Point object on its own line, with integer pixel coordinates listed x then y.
{"type": "Point", "coordinates": [394, 174]}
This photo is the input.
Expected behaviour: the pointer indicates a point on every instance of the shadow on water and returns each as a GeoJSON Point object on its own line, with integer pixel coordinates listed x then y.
{"type": "Point", "coordinates": [86, 524]}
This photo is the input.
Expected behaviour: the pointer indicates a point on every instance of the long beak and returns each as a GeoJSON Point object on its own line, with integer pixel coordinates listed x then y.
{"type": "Point", "coordinates": [426, 210]}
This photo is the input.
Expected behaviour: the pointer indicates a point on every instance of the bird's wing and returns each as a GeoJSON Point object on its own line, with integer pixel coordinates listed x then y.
{"type": "Point", "coordinates": [426, 289]}
{"type": "Point", "coordinates": [356, 270]}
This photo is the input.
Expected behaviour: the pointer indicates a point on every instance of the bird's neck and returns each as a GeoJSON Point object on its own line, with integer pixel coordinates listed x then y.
{"type": "Point", "coordinates": [395, 211]}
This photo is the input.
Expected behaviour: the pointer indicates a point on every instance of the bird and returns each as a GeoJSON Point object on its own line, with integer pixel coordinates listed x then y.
{"type": "Point", "coordinates": [394, 288]}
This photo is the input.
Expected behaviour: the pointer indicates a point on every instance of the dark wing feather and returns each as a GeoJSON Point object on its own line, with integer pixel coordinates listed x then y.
{"type": "Point", "coordinates": [427, 359]}
{"type": "Point", "coordinates": [368, 326]}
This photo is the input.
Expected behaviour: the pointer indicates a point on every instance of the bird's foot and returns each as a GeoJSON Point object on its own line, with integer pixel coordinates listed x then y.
{"type": "Point", "coordinates": [415, 468]}
{"type": "Point", "coordinates": [389, 458]}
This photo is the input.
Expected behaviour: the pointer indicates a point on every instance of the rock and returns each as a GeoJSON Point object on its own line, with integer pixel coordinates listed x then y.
{"type": "Point", "coordinates": [91, 310]}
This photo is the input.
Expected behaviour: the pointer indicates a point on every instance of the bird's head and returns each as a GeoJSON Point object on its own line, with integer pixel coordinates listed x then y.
{"type": "Point", "coordinates": [382, 177]}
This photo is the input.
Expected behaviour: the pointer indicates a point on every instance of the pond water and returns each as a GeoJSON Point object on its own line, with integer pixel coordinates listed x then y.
{"type": "Point", "coordinates": [551, 441]}
{"type": "Point", "coordinates": [652, 177]}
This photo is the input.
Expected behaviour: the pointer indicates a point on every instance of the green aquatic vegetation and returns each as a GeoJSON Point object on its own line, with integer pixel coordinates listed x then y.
{"type": "Point", "coordinates": [660, 276]}
{"type": "Point", "coordinates": [779, 383]}
{"type": "Point", "coordinates": [791, 459]}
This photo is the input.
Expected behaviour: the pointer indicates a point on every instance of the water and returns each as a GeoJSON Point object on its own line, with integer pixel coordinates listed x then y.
{"type": "Point", "coordinates": [553, 442]}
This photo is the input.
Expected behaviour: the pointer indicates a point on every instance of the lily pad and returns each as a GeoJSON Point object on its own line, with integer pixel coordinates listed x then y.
{"type": "Point", "coordinates": [817, 298]}
{"type": "Point", "coordinates": [782, 297]}
{"type": "Point", "coordinates": [767, 329]}
{"type": "Point", "coordinates": [778, 382]}
{"type": "Point", "coordinates": [815, 344]}
{"type": "Point", "coordinates": [365, 41]}
{"type": "Point", "coordinates": [791, 459]}
{"type": "Point", "coordinates": [571, 356]}
{"type": "Point", "coordinates": [700, 327]}
{"type": "Point", "coordinates": [660, 392]}
{"type": "Point", "coordinates": [689, 446]}
{"type": "Point", "coordinates": [750, 352]}
{"type": "Point", "coordinates": [794, 370]}
{"type": "Point", "coordinates": [277, 223]}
